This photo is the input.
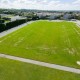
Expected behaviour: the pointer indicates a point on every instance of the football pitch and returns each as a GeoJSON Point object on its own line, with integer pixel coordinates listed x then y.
{"type": "Point", "coordinates": [52, 42]}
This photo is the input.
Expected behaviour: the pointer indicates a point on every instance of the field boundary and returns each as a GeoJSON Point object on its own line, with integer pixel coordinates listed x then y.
{"type": "Point", "coordinates": [55, 66]}
{"type": "Point", "coordinates": [4, 33]}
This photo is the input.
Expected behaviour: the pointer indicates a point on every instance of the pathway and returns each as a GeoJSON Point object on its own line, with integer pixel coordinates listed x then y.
{"type": "Point", "coordinates": [59, 67]}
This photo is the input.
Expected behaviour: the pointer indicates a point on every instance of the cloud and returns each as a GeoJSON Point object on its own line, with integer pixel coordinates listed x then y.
{"type": "Point", "coordinates": [40, 4]}
{"type": "Point", "coordinates": [77, 2]}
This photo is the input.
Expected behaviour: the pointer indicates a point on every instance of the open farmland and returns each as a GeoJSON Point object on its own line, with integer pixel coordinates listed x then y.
{"type": "Point", "coordinates": [15, 70]}
{"type": "Point", "coordinates": [53, 42]}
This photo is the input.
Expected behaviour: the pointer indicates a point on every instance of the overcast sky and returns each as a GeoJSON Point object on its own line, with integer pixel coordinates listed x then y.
{"type": "Point", "coordinates": [41, 4]}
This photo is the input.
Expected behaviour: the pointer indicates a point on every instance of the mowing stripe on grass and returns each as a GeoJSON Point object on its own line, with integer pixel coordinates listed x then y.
{"type": "Point", "coordinates": [59, 67]}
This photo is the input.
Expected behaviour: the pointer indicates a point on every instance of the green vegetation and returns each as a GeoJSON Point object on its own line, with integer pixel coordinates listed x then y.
{"type": "Point", "coordinates": [10, 24]}
{"type": "Point", "coordinates": [53, 42]}
{"type": "Point", "coordinates": [14, 70]}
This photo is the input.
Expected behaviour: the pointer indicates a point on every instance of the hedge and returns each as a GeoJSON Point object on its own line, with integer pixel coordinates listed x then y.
{"type": "Point", "coordinates": [2, 27]}
{"type": "Point", "coordinates": [11, 24]}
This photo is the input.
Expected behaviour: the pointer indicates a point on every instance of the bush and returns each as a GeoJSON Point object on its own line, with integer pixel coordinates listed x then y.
{"type": "Point", "coordinates": [11, 24]}
{"type": "Point", "coordinates": [2, 27]}
{"type": "Point", "coordinates": [2, 21]}
{"type": "Point", "coordinates": [14, 23]}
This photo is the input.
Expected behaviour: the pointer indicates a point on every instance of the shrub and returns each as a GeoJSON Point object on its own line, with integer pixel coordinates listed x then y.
{"type": "Point", "coordinates": [2, 27]}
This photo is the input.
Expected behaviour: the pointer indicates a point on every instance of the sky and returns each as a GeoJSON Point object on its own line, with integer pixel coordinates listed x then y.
{"type": "Point", "coordinates": [41, 4]}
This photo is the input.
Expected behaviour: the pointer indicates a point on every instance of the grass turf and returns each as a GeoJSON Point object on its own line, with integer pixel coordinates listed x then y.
{"type": "Point", "coordinates": [53, 42]}
{"type": "Point", "coordinates": [15, 70]}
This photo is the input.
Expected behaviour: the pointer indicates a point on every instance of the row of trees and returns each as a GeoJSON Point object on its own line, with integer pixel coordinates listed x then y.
{"type": "Point", "coordinates": [5, 26]}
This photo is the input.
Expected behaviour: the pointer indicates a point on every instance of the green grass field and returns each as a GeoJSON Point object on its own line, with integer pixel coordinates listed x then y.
{"type": "Point", "coordinates": [14, 70]}
{"type": "Point", "coordinates": [53, 42]}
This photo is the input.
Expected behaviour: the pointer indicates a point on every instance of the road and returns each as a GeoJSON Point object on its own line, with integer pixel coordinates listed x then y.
{"type": "Point", "coordinates": [59, 67]}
